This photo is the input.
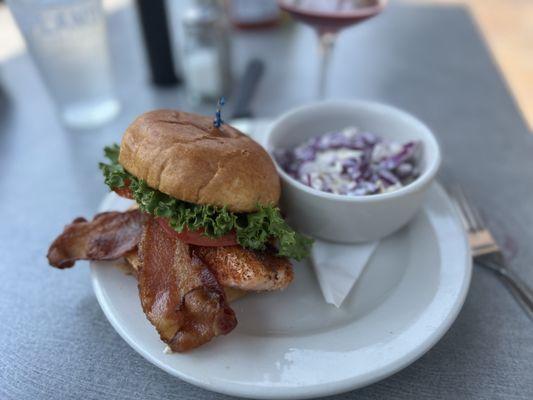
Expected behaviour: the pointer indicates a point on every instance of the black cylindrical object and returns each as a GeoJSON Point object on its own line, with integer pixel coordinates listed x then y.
{"type": "Point", "coordinates": [154, 23]}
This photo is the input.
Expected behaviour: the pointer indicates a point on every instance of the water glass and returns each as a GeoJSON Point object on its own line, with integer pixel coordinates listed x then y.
{"type": "Point", "coordinates": [68, 42]}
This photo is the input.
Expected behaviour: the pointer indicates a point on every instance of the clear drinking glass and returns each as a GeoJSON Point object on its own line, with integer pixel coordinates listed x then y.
{"type": "Point", "coordinates": [68, 42]}
{"type": "Point", "coordinates": [328, 17]}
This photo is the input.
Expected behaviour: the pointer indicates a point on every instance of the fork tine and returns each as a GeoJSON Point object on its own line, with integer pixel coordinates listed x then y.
{"type": "Point", "coordinates": [466, 209]}
{"type": "Point", "coordinates": [459, 208]}
{"type": "Point", "coordinates": [477, 221]}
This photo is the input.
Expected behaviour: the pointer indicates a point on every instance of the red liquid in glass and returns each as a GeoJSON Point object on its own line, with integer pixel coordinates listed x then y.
{"type": "Point", "coordinates": [332, 15]}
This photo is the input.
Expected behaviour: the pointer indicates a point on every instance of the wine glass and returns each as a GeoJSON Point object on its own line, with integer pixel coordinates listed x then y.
{"type": "Point", "coordinates": [328, 17]}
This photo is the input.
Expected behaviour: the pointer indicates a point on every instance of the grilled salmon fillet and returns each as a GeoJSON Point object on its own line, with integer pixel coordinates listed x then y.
{"type": "Point", "coordinates": [239, 268]}
{"type": "Point", "coordinates": [245, 269]}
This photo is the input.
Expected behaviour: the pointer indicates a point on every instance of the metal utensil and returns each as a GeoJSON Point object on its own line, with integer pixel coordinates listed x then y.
{"type": "Point", "coordinates": [487, 253]}
{"type": "Point", "coordinates": [246, 89]}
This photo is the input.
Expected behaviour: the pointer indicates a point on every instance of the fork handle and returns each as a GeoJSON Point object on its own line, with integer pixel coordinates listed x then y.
{"type": "Point", "coordinates": [522, 292]}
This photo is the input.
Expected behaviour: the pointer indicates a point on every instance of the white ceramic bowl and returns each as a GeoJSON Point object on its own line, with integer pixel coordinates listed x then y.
{"type": "Point", "coordinates": [342, 218]}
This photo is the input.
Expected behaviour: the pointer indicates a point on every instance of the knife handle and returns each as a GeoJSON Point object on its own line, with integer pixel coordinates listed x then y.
{"type": "Point", "coordinates": [246, 88]}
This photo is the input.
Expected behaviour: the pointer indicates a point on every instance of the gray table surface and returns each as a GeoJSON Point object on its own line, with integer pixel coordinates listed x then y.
{"type": "Point", "coordinates": [55, 341]}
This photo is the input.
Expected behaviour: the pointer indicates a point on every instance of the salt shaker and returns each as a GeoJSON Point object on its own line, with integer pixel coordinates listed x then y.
{"type": "Point", "coordinates": [253, 14]}
{"type": "Point", "coordinates": [205, 51]}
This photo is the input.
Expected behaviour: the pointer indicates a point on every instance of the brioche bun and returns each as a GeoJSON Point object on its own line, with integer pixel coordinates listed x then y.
{"type": "Point", "coordinates": [186, 157]}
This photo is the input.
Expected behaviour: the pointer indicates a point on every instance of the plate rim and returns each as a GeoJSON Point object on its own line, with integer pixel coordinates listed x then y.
{"type": "Point", "coordinates": [308, 391]}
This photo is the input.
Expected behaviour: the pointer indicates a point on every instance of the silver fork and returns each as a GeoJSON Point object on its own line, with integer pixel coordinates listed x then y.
{"type": "Point", "coordinates": [487, 253]}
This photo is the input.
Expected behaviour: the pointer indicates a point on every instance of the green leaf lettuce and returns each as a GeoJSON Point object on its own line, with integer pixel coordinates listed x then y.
{"type": "Point", "coordinates": [253, 230]}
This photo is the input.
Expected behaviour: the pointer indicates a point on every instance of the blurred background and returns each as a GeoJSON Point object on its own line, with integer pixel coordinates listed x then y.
{"type": "Point", "coordinates": [192, 52]}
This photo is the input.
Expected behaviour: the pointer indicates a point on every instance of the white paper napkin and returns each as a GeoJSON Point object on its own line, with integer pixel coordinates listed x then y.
{"type": "Point", "coordinates": [339, 266]}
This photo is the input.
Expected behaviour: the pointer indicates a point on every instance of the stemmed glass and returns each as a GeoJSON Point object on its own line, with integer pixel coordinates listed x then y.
{"type": "Point", "coordinates": [328, 17]}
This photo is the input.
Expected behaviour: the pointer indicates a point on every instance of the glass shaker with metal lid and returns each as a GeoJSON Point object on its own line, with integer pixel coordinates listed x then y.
{"type": "Point", "coordinates": [205, 51]}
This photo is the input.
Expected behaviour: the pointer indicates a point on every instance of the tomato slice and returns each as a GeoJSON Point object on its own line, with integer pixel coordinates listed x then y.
{"type": "Point", "coordinates": [197, 238]}
{"type": "Point", "coordinates": [191, 237]}
{"type": "Point", "coordinates": [124, 191]}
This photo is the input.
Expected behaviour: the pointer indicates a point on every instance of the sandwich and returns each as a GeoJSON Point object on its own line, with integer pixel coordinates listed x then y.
{"type": "Point", "coordinates": [204, 228]}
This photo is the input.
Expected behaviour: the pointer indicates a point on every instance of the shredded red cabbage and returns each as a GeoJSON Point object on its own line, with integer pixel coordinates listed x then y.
{"type": "Point", "coordinates": [351, 162]}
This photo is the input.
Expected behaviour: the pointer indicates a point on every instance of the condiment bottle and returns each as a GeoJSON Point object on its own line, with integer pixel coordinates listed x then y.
{"type": "Point", "coordinates": [205, 51]}
{"type": "Point", "coordinates": [154, 24]}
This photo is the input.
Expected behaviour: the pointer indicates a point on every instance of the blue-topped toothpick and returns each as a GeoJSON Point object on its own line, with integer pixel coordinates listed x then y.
{"type": "Point", "coordinates": [218, 115]}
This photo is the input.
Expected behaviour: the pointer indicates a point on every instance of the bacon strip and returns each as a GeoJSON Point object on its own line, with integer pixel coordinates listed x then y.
{"type": "Point", "coordinates": [133, 264]}
{"type": "Point", "coordinates": [179, 294]}
{"type": "Point", "coordinates": [109, 236]}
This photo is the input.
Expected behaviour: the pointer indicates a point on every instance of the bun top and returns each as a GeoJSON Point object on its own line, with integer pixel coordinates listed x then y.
{"type": "Point", "coordinates": [186, 157]}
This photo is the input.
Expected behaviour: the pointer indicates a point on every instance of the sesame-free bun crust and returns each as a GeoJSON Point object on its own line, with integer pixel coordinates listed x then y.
{"type": "Point", "coordinates": [185, 156]}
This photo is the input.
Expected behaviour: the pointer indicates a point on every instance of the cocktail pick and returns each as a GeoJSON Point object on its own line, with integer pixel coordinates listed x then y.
{"type": "Point", "coordinates": [218, 121]}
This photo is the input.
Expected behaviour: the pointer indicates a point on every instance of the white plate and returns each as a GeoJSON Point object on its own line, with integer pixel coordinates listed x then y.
{"type": "Point", "coordinates": [292, 344]}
